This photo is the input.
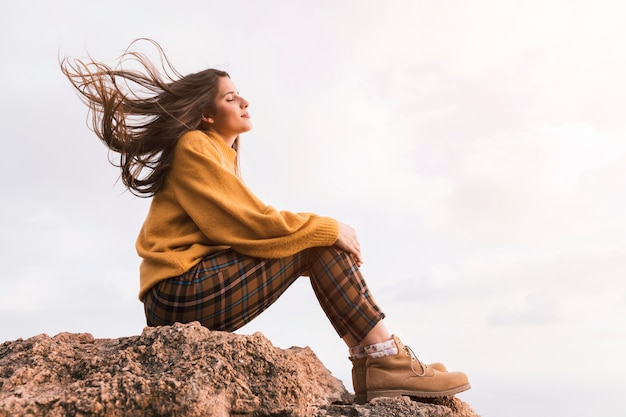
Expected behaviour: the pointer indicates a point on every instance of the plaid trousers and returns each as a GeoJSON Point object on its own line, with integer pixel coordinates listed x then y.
{"type": "Point", "coordinates": [226, 290]}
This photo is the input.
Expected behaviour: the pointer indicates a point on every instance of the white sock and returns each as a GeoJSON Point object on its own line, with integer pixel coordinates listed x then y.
{"type": "Point", "coordinates": [357, 352]}
{"type": "Point", "coordinates": [382, 349]}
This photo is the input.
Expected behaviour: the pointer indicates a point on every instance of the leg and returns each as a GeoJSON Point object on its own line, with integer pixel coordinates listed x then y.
{"type": "Point", "coordinates": [343, 294]}
{"type": "Point", "coordinates": [227, 290]}
{"type": "Point", "coordinates": [224, 291]}
{"type": "Point", "coordinates": [382, 365]}
{"type": "Point", "coordinates": [345, 298]}
{"type": "Point", "coordinates": [379, 333]}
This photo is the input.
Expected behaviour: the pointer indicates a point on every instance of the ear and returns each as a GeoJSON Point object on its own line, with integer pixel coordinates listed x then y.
{"type": "Point", "coordinates": [207, 119]}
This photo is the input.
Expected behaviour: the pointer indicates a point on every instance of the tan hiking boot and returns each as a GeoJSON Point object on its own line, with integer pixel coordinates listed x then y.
{"type": "Point", "coordinates": [404, 374]}
{"type": "Point", "coordinates": [358, 377]}
{"type": "Point", "coordinates": [358, 380]}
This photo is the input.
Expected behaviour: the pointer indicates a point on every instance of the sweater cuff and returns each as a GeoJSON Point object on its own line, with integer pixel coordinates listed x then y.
{"type": "Point", "coordinates": [327, 232]}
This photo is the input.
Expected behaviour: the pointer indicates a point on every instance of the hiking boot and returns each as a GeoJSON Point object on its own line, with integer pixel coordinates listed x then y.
{"type": "Point", "coordinates": [358, 380]}
{"type": "Point", "coordinates": [358, 377]}
{"type": "Point", "coordinates": [404, 374]}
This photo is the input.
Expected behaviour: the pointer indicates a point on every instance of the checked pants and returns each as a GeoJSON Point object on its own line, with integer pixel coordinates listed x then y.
{"type": "Point", "coordinates": [226, 290]}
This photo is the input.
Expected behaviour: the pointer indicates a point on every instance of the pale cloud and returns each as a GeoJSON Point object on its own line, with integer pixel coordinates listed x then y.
{"type": "Point", "coordinates": [532, 308]}
{"type": "Point", "coordinates": [544, 184]}
{"type": "Point", "coordinates": [477, 147]}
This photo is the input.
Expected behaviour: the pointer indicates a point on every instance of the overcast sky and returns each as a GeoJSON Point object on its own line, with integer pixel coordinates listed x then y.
{"type": "Point", "coordinates": [477, 147]}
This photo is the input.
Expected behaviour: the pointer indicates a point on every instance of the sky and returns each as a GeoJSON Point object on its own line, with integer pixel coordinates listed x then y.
{"type": "Point", "coordinates": [478, 149]}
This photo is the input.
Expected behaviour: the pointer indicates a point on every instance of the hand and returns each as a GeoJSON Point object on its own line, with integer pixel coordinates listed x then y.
{"type": "Point", "coordinates": [347, 241]}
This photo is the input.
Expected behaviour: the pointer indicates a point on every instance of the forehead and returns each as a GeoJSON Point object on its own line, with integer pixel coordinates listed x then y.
{"type": "Point", "coordinates": [226, 85]}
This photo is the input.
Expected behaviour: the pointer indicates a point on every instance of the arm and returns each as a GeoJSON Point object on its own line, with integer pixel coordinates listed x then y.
{"type": "Point", "coordinates": [227, 212]}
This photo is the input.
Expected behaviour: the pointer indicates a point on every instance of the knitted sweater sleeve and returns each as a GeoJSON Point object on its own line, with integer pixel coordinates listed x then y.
{"type": "Point", "coordinates": [228, 213]}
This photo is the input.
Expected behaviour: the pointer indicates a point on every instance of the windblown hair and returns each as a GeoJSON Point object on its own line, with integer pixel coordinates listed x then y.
{"type": "Point", "coordinates": [141, 114]}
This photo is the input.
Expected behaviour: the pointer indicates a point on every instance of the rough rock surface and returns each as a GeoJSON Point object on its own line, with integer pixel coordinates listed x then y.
{"type": "Point", "coordinates": [182, 370]}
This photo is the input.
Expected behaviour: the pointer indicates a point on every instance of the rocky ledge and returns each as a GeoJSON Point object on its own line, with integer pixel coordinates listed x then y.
{"type": "Point", "coordinates": [182, 370]}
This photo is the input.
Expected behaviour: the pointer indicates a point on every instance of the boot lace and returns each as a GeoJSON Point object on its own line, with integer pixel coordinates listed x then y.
{"type": "Point", "coordinates": [410, 352]}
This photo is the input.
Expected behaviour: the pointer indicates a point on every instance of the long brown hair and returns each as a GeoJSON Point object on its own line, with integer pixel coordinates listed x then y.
{"type": "Point", "coordinates": [141, 114]}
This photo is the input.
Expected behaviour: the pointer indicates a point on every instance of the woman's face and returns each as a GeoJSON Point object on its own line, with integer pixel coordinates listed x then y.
{"type": "Point", "coordinates": [231, 116]}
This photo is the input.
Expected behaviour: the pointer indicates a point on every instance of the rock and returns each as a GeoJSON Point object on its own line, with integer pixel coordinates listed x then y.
{"type": "Point", "coordinates": [403, 407]}
{"type": "Point", "coordinates": [181, 370]}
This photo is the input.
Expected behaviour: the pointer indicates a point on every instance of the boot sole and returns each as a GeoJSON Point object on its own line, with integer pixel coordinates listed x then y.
{"type": "Point", "coordinates": [420, 394]}
{"type": "Point", "coordinates": [360, 398]}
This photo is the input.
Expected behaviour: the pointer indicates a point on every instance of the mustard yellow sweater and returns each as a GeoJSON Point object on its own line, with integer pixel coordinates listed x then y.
{"type": "Point", "coordinates": [204, 207]}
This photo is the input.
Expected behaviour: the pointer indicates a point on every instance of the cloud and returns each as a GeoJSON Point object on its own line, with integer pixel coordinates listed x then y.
{"type": "Point", "coordinates": [546, 186]}
{"type": "Point", "coordinates": [533, 308]}
{"type": "Point", "coordinates": [477, 148]}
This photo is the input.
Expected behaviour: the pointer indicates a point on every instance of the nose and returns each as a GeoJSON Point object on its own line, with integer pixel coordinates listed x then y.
{"type": "Point", "coordinates": [244, 103]}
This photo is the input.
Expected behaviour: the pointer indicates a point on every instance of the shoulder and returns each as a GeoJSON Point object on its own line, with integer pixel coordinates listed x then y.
{"type": "Point", "coordinates": [199, 148]}
{"type": "Point", "coordinates": [198, 142]}
{"type": "Point", "coordinates": [195, 139]}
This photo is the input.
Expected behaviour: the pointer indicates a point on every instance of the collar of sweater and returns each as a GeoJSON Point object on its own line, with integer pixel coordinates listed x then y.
{"type": "Point", "coordinates": [227, 150]}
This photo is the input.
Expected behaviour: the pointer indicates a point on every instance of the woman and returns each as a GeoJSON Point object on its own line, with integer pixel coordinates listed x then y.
{"type": "Point", "coordinates": [211, 250]}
